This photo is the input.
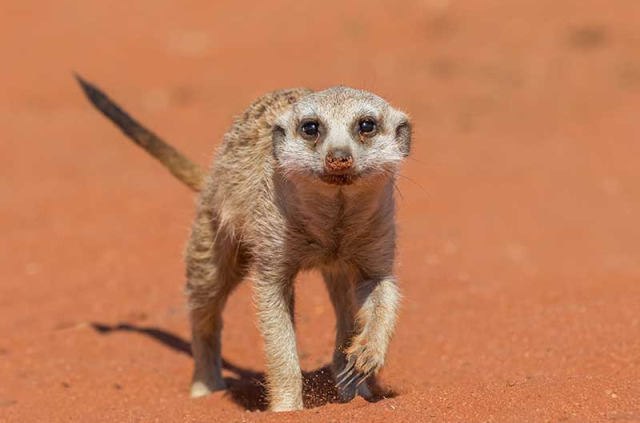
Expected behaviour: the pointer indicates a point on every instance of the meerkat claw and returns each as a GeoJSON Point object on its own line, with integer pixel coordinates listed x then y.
{"type": "Point", "coordinates": [348, 378]}
{"type": "Point", "coordinates": [341, 383]}
{"type": "Point", "coordinates": [349, 366]}
{"type": "Point", "coordinates": [354, 378]}
{"type": "Point", "coordinates": [363, 378]}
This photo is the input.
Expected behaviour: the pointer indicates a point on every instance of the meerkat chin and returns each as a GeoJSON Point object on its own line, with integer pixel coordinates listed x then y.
{"type": "Point", "coordinates": [303, 180]}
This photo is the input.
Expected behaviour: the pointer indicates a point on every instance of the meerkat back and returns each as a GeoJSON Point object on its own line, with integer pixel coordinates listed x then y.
{"type": "Point", "coordinates": [242, 168]}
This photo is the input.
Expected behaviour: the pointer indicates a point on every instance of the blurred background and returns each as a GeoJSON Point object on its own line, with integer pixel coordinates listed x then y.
{"type": "Point", "coordinates": [519, 235]}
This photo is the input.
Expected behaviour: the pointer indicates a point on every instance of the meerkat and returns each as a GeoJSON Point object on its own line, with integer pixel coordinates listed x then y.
{"type": "Point", "coordinates": [303, 180]}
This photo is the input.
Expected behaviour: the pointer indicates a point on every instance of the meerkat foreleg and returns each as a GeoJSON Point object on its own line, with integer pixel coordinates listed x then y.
{"type": "Point", "coordinates": [376, 304]}
{"type": "Point", "coordinates": [342, 297]}
{"type": "Point", "coordinates": [274, 295]}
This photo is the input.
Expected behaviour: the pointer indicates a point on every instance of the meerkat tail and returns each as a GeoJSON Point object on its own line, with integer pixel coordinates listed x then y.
{"type": "Point", "coordinates": [179, 165]}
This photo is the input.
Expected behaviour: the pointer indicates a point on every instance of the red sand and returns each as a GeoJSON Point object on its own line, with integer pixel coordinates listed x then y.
{"type": "Point", "coordinates": [520, 241]}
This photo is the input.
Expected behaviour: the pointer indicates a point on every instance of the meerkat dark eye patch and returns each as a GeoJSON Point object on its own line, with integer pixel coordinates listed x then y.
{"type": "Point", "coordinates": [310, 129]}
{"type": "Point", "coordinates": [367, 126]}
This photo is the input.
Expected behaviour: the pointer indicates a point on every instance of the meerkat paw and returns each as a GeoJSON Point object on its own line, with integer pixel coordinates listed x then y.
{"type": "Point", "coordinates": [201, 389]}
{"type": "Point", "coordinates": [362, 362]}
{"type": "Point", "coordinates": [278, 408]}
{"type": "Point", "coordinates": [286, 403]}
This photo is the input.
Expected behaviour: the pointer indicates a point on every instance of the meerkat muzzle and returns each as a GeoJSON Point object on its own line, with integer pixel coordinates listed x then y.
{"type": "Point", "coordinates": [339, 160]}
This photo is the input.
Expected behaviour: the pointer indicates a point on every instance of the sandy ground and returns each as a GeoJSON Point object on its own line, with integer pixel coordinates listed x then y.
{"type": "Point", "coordinates": [520, 241]}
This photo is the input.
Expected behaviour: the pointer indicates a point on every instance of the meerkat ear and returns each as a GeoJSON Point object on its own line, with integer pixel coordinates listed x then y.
{"type": "Point", "coordinates": [403, 136]}
{"type": "Point", "coordinates": [278, 133]}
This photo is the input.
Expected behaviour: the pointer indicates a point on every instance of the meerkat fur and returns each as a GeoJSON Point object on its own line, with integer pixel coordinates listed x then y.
{"type": "Point", "coordinates": [302, 180]}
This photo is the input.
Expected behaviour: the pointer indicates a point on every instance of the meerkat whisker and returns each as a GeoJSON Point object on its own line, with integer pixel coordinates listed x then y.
{"type": "Point", "coordinates": [417, 184]}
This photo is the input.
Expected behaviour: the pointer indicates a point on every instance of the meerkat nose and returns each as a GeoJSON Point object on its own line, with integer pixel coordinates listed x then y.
{"type": "Point", "coordinates": [339, 160]}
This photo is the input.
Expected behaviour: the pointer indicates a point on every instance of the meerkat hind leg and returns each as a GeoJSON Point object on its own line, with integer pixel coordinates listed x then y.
{"type": "Point", "coordinates": [214, 268]}
{"type": "Point", "coordinates": [206, 328]}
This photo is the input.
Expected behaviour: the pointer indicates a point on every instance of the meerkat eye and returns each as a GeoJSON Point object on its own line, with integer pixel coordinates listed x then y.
{"type": "Point", "coordinates": [310, 129]}
{"type": "Point", "coordinates": [367, 126]}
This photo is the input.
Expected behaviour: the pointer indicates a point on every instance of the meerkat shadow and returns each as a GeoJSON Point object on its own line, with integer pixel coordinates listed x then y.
{"type": "Point", "coordinates": [248, 387]}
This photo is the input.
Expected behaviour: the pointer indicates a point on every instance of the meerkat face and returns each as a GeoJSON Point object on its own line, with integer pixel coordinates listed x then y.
{"type": "Point", "coordinates": [341, 136]}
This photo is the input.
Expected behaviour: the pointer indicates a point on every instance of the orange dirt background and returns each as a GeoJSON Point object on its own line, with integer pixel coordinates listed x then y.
{"type": "Point", "coordinates": [520, 241]}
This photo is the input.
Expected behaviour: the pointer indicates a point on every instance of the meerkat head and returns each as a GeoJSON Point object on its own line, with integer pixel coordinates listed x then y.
{"type": "Point", "coordinates": [341, 136]}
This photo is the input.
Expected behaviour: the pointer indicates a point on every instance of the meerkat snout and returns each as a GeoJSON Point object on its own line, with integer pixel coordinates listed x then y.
{"type": "Point", "coordinates": [339, 160]}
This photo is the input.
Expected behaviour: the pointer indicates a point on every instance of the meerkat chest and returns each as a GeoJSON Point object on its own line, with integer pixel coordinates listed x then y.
{"type": "Point", "coordinates": [335, 229]}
